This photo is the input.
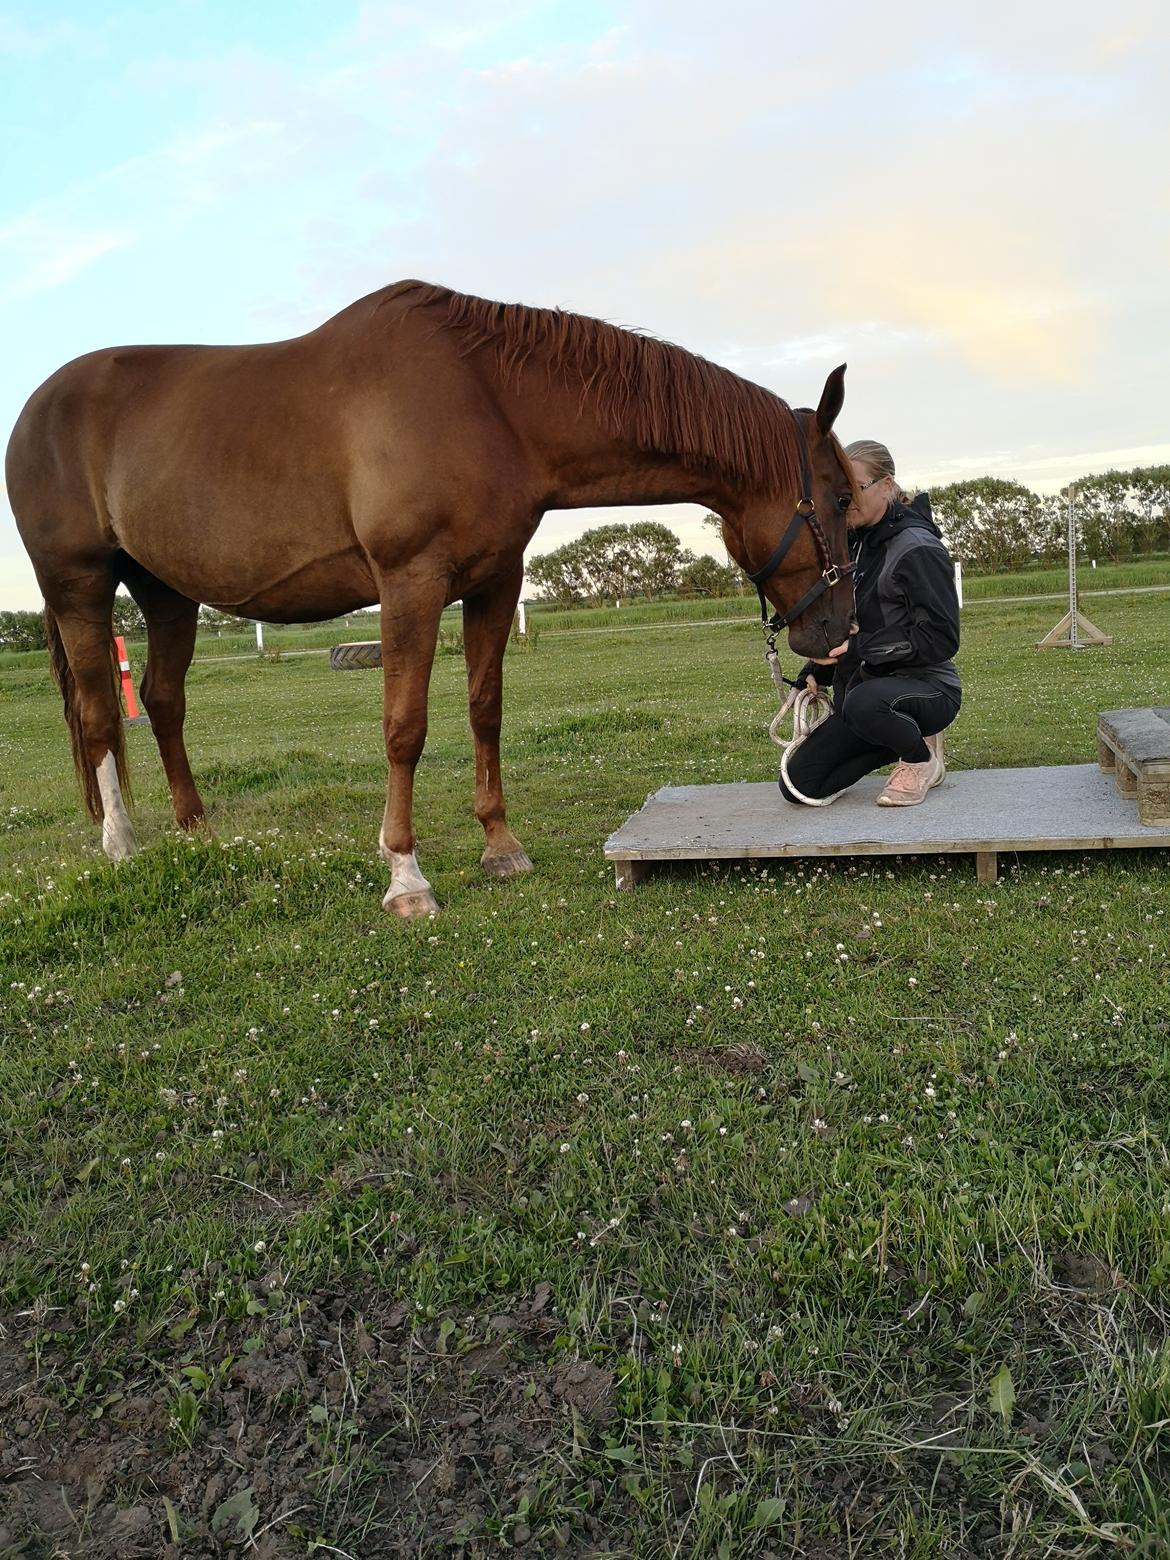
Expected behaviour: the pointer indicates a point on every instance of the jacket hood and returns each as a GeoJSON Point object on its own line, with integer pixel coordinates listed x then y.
{"type": "Point", "coordinates": [914, 515]}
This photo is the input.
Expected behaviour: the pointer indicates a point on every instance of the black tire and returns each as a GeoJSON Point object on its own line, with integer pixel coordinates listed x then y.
{"type": "Point", "coordinates": [356, 655]}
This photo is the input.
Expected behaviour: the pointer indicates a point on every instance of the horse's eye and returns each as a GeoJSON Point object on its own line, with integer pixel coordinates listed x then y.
{"type": "Point", "coordinates": [845, 502]}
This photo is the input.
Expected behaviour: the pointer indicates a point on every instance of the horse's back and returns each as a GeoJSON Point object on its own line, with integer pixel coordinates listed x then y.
{"type": "Point", "coordinates": [119, 407]}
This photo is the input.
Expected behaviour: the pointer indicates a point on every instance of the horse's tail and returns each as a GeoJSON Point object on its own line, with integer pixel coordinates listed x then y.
{"type": "Point", "coordinates": [67, 683]}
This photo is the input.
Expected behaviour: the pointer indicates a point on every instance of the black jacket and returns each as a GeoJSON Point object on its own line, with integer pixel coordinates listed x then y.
{"type": "Point", "coordinates": [907, 606]}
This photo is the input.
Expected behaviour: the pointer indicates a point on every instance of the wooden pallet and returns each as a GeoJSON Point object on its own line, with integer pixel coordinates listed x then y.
{"type": "Point", "coordinates": [1134, 746]}
{"type": "Point", "coordinates": [980, 812]}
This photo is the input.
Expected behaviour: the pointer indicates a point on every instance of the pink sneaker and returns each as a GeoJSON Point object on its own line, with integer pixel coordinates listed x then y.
{"type": "Point", "coordinates": [909, 783]}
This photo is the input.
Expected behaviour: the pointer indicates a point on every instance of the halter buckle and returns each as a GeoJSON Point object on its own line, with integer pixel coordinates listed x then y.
{"type": "Point", "coordinates": [832, 576]}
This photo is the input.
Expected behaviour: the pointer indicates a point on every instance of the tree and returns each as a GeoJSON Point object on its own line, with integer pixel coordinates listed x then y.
{"type": "Point", "coordinates": [555, 576]}
{"type": "Point", "coordinates": [1148, 509]}
{"type": "Point", "coordinates": [1101, 514]}
{"type": "Point", "coordinates": [22, 631]}
{"type": "Point", "coordinates": [611, 563]}
{"type": "Point", "coordinates": [128, 619]}
{"type": "Point", "coordinates": [990, 524]}
{"type": "Point", "coordinates": [706, 576]}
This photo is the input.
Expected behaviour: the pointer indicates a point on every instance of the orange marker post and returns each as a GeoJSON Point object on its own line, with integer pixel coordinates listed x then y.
{"type": "Point", "coordinates": [133, 714]}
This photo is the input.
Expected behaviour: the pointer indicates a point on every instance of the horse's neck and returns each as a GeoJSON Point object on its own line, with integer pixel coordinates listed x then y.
{"type": "Point", "coordinates": [589, 465]}
{"type": "Point", "coordinates": [627, 475]}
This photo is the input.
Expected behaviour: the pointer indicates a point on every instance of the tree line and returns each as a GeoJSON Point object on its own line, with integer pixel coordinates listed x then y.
{"type": "Point", "coordinates": [992, 526]}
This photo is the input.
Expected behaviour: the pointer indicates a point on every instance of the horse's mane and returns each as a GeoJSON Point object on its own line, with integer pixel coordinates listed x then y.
{"type": "Point", "coordinates": [660, 395]}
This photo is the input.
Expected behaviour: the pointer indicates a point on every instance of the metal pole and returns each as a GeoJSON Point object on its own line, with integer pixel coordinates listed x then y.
{"type": "Point", "coordinates": [1073, 640]}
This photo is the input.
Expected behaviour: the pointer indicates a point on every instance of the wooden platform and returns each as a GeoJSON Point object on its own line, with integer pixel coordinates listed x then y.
{"type": "Point", "coordinates": [979, 812]}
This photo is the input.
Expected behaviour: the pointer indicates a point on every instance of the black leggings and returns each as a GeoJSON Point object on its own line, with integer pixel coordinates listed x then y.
{"type": "Point", "coordinates": [881, 719]}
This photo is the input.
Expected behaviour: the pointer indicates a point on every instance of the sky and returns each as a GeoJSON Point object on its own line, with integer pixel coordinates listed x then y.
{"type": "Point", "coordinates": [968, 204]}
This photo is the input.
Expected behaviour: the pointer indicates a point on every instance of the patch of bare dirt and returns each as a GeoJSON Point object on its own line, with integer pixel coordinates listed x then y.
{"type": "Point", "coordinates": [343, 1422]}
{"type": "Point", "coordinates": [737, 1060]}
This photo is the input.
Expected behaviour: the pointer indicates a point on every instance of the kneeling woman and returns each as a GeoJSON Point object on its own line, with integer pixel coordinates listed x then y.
{"type": "Point", "coordinates": [895, 687]}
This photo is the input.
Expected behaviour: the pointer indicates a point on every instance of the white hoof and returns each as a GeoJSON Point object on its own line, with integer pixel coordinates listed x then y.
{"type": "Point", "coordinates": [118, 838]}
{"type": "Point", "coordinates": [411, 907]}
{"type": "Point", "coordinates": [409, 894]}
{"type": "Point", "coordinates": [119, 843]}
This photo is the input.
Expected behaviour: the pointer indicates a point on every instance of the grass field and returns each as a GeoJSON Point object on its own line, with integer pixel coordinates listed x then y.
{"type": "Point", "coordinates": [821, 1211]}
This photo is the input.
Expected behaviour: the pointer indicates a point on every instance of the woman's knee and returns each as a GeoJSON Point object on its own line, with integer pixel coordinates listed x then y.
{"type": "Point", "coordinates": [866, 709]}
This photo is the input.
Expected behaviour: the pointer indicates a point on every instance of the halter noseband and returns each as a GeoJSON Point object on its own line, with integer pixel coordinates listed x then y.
{"type": "Point", "coordinates": [806, 513]}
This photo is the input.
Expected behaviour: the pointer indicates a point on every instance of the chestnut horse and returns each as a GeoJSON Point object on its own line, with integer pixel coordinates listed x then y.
{"type": "Point", "coordinates": [402, 453]}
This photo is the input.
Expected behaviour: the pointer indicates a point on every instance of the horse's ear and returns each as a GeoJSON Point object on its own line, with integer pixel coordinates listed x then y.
{"type": "Point", "coordinates": [832, 400]}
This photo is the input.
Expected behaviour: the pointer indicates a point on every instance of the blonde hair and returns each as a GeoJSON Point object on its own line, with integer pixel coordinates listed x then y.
{"type": "Point", "coordinates": [877, 459]}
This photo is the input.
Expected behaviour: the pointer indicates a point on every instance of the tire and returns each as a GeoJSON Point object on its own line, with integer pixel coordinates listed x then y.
{"type": "Point", "coordinates": [356, 655]}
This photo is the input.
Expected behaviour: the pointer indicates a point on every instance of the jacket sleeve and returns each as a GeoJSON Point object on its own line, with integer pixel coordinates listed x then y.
{"type": "Point", "coordinates": [823, 674]}
{"type": "Point", "coordinates": [928, 632]}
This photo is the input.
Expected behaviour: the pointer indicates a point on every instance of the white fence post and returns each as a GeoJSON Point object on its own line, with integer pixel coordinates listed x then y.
{"type": "Point", "coordinates": [959, 581]}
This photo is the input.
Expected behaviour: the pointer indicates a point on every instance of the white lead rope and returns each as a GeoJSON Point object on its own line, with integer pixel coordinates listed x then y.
{"type": "Point", "coordinates": [808, 711]}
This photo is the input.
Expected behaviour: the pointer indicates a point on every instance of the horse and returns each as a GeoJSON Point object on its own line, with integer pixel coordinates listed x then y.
{"type": "Point", "coordinates": [403, 454]}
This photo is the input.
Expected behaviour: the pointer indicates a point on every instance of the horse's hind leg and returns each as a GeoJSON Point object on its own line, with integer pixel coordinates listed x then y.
{"type": "Point", "coordinates": [80, 612]}
{"type": "Point", "coordinates": [412, 604]}
{"type": "Point", "coordinates": [171, 622]}
{"type": "Point", "coordinates": [487, 622]}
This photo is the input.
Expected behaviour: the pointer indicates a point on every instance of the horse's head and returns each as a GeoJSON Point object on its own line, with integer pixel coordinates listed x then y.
{"type": "Point", "coordinates": [817, 542]}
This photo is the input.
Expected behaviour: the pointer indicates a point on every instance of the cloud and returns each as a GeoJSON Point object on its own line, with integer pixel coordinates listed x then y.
{"type": "Point", "coordinates": [39, 252]}
{"type": "Point", "coordinates": [19, 39]}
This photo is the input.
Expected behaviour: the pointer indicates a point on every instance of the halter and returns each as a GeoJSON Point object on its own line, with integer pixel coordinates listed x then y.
{"type": "Point", "coordinates": [831, 573]}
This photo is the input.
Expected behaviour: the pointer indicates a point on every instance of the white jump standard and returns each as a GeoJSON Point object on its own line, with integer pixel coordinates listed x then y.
{"type": "Point", "coordinates": [979, 812]}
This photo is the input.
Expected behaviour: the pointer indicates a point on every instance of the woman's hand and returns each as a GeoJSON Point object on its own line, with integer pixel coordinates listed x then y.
{"type": "Point", "coordinates": [833, 656]}
{"type": "Point", "coordinates": [830, 660]}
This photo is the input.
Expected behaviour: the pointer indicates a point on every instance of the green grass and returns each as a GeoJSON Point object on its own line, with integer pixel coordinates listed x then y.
{"type": "Point", "coordinates": [788, 1165]}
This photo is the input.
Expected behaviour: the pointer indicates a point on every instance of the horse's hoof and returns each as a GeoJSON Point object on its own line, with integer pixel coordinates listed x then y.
{"type": "Point", "coordinates": [120, 844]}
{"type": "Point", "coordinates": [506, 863]}
{"type": "Point", "coordinates": [410, 907]}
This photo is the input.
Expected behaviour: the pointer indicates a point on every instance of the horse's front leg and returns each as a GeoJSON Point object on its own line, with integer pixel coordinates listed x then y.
{"type": "Point", "coordinates": [487, 622]}
{"type": "Point", "coordinates": [412, 605]}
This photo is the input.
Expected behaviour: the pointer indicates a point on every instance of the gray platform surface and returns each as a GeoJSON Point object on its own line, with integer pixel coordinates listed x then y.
{"type": "Point", "coordinates": [1060, 807]}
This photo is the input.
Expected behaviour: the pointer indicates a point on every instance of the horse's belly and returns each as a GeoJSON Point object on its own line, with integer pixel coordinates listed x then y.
{"type": "Point", "coordinates": [273, 581]}
{"type": "Point", "coordinates": [324, 588]}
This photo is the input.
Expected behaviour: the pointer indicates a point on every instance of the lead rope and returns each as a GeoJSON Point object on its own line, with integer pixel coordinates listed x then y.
{"type": "Point", "coordinates": [808, 711]}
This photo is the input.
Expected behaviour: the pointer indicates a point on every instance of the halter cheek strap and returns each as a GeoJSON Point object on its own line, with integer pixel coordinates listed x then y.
{"type": "Point", "coordinates": [806, 514]}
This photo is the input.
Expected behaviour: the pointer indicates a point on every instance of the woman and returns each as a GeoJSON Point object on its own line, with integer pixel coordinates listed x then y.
{"type": "Point", "coordinates": [895, 685]}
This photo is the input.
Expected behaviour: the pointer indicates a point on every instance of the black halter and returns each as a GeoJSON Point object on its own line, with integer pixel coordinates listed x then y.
{"type": "Point", "coordinates": [806, 513]}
